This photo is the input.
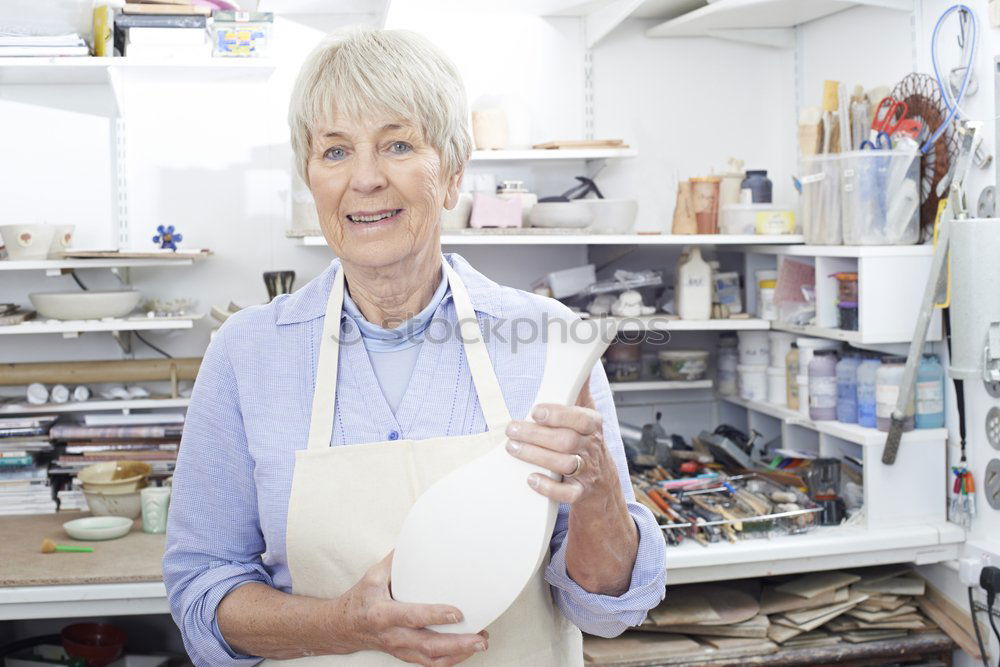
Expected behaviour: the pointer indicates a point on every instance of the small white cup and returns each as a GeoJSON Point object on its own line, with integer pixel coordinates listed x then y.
{"type": "Point", "coordinates": [155, 503]}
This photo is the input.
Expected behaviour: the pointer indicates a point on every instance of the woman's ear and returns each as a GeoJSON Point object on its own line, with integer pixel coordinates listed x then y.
{"type": "Point", "coordinates": [451, 192]}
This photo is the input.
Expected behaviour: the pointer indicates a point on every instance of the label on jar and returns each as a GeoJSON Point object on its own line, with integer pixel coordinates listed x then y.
{"type": "Point", "coordinates": [930, 397]}
{"type": "Point", "coordinates": [886, 396]}
{"type": "Point", "coordinates": [822, 392]}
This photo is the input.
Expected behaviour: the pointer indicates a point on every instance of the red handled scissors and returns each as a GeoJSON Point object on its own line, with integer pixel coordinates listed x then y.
{"type": "Point", "coordinates": [890, 118]}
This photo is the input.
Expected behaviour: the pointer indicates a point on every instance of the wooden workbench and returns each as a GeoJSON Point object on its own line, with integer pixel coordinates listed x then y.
{"type": "Point", "coordinates": [133, 558]}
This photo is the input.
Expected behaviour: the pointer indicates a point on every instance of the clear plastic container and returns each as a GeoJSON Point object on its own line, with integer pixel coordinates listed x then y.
{"type": "Point", "coordinates": [881, 197]}
{"type": "Point", "coordinates": [887, 386]}
{"type": "Point", "coordinates": [930, 393]}
{"type": "Point", "coordinates": [756, 219]}
{"type": "Point", "coordinates": [683, 365]}
{"type": "Point", "coordinates": [821, 209]}
{"type": "Point", "coordinates": [867, 378]}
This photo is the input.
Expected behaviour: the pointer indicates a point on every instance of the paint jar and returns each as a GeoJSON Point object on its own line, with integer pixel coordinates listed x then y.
{"type": "Point", "coordinates": [752, 382]}
{"type": "Point", "coordinates": [847, 389]}
{"type": "Point", "coordinates": [754, 348]}
{"type": "Point", "coordinates": [777, 391]}
{"type": "Point", "coordinates": [791, 373]}
{"type": "Point", "coordinates": [823, 385]}
{"type": "Point", "coordinates": [888, 380]}
{"type": "Point", "coordinates": [781, 343]}
{"type": "Point", "coordinates": [766, 308]}
{"type": "Point", "coordinates": [706, 204]}
{"type": "Point", "coordinates": [867, 378]}
{"type": "Point", "coordinates": [623, 361]}
{"type": "Point", "coordinates": [725, 378]}
{"type": "Point", "coordinates": [756, 187]}
{"type": "Point", "coordinates": [847, 315]}
{"type": "Point", "coordinates": [930, 393]}
{"type": "Point", "coordinates": [807, 346]}
{"type": "Point", "coordinates": [847, 285]}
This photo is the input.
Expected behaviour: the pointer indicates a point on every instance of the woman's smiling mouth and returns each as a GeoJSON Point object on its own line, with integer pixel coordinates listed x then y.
{"type": "Point", "coordinates": [366, 218]}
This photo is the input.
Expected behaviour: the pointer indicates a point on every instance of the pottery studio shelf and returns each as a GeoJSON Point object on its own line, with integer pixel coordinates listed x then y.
{"type": "Point", "coordinates": [822, 548]}
{"type": "Point", "coordinates": [55, 267]}
{"type": "Point", "coordinates": [562, 154]}
{"type": "Point", "coordinates": [90, 70]}
{"type": "Point", "coordinates": [96, 406]}
{"type": "Point", "coordinates": [71, 328]}
{"type": "Point", "coordinates": [531, 236]}
{"type": "Point", "coordinates": [868, 437]}
{"type": "Point", "coordinates": [666, 323]}
{"type": "Point", "coordinates": [660, 385]}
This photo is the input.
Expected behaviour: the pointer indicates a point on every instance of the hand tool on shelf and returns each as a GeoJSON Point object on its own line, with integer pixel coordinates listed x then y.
{"type": "Point", "coordinates": [936, 288]}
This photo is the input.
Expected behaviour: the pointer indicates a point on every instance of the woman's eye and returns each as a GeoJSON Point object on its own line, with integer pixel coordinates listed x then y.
{"type": "Point", "coordinates": [400, 147]}
{"type": "Point", "coordinates": [334, 154]}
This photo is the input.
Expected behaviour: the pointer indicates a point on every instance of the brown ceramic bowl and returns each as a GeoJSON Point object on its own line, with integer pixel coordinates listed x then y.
{"type": "Point", "coordinates": [98, 643]}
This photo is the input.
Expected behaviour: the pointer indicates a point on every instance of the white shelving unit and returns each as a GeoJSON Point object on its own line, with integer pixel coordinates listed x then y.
{"type": "Point", "coordinates": [564, 154]}
{"type": "Point", "coordinates": [911, 492]}
{"type": "Point", "coordinates": [533, 236]}
{"type": "Point", "coordinates": [665, 323]}
{"type": "Point", "coordinates": [55, 267]}
{"type": "Point", "coordinates": [71, 328]}
{"type": "Point", "coordinates": [90, 70]}
{"type": "Point", "coordinates": [762, 22]}
{"type": "Point", "coordinates": [124, 407]}
{"type": "Point", "coordinates": [659, 385]}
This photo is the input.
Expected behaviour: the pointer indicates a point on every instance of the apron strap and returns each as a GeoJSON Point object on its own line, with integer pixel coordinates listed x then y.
{"type": "Point", "coordinates": [491, 399]}
{"type": "Point", "coordinates": [324, 393]}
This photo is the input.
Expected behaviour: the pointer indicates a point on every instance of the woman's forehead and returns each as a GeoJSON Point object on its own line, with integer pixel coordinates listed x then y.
{"type": "Point", "coordinates": [364, 124]}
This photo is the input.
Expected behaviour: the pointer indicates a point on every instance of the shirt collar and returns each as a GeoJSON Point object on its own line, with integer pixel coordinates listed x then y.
{"type": "Point", "coordinates": [310, 302]}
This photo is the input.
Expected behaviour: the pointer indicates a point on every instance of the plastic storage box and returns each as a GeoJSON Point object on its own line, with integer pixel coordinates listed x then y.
{"type": "Point", "coordinates": [881, 197]}
{"type": "Point", "coordinates": [821, 207]}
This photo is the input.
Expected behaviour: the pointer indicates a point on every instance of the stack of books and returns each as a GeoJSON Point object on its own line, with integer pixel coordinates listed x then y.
{"type": "Point", "coordinates": [158, 30]}
{"type": "Point", "coordinates": [152, 438]}
{"type": "Point", "coordinates": [24, 482]}
{"type": "Point", "coordinates": [20, 46]}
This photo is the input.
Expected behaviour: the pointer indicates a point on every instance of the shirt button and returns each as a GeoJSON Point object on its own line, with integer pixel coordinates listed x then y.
{"type": "Point", "coordinates": [394, 435]}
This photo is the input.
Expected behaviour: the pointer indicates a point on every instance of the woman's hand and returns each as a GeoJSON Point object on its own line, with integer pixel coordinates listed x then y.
{"type": "Point", "coordinates": [555, 439]}
{"type": "Point", "coordinates": [602, 539]}
{"type": "Point", "coordinates": [377, 622]}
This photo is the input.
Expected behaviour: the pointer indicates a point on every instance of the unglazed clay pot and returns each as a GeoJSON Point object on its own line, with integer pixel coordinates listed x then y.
{"type": "Point", "coordinates": [489, 129]}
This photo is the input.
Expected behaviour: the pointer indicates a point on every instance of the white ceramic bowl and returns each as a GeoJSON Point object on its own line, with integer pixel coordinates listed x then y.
{"type": "Point", "coordinates": [62, 239]}
{"type": "Point", "coordinates": [114, 504]}
{"type": "Point", "coordinates": [90, 305]}
{"type": "Point", "coordinates": [98, 527]}
{"type": "Point", "coordinates": [555, 215]}
{"type": "Point", "coordinates": [26, 242]}
{"type": "Point", "coordinates": [114, 476]}
{"type": "Point", "coordinates": [612, 216]}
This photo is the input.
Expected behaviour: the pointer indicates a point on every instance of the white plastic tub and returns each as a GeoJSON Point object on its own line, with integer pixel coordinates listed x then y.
{"type": "Point", "coordinates": [781, 343]}
{"type": "Point", "coordinates": [683, 365]}
{"type": "Point", "coordinates": [756, 219]}
{"type": "Point", "coordinates": [752, 382]}
{"type": "Point", "coordinates": [776, 386]}
{"type": "Point", "coordinates": [754, 348]}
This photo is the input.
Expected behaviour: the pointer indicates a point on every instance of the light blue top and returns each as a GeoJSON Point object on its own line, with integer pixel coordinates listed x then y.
{"type": "Point", "coordinates": [250, 410]}
{"type": "Point", "coordinates": [394, 352]}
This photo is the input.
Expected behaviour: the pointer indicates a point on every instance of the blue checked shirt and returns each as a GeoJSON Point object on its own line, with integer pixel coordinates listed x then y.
{"type": "Point", "coordinates": [250, 411]}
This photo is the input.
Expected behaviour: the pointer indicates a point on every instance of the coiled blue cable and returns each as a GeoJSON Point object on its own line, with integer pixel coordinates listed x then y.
{"type": "Point", "coordinates": [952, 110]}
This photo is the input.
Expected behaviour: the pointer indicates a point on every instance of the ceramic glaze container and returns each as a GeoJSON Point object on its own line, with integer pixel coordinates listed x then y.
{"type": "Point", "coordinates": [847, 389]}
{"type": "Point", "coordinates": [823, 385]}
{"type": "Point", "coordinates": [867, 376]}
{"type": "Point", "coordinates": [888, 379]}
{"type": "Point", "coordinates": [930, 393]}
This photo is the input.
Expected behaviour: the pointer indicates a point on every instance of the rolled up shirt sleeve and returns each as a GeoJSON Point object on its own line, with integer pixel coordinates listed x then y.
{"type": "Point", "coordinates": [605, 615]}
{"type": "Point", "coordinates": [214, 541]}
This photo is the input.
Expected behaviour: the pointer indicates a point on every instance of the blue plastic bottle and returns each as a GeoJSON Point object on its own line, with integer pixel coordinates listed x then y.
{"type": "Point", "coordinates": [930, 393]}
{"type": "Point", "coordinates": [847, 389]}
{"type": "Point", "coordinates": [867, 370]}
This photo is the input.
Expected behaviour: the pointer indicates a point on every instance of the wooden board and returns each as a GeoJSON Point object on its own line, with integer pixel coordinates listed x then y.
{"type": "Point", "coordinates": [581, 143]}
{"type": "Point", "coordinates": [896, 586]}
{"type": "Point", "coordinates": [754, 628]}
{"type": "Point", "coordinates": [634, 646]}
{"type": "Point", "coordinates": [782, 633]}
{"type": "Point", "coordinates": [876, 616]}
{"type": "Point", "coordinates": [814, 584]}
{"type": "Point", "coordinates": [705, 605]}
{"type": "Point", "coordinates": [774, 602]}
{"type": "Point", "coordinates": [805, 616]}
{"type": "Point", "coordinates": [951, 627]}
{"type": "Point", "coordinates": [859, 636]}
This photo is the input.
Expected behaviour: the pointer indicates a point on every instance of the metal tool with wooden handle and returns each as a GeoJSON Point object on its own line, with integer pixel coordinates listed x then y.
{"type": "Point", "coordinates": [936, 284]}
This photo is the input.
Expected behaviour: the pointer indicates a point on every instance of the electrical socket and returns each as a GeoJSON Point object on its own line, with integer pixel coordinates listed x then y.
{"type": "Point", "coordinates": [989, 580]}
{"type": "Point", "coordinates": [968, 571]}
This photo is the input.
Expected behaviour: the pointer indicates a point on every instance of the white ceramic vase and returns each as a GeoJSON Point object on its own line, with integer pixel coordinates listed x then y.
{"type": "Point", "coordinates": [489, 129]}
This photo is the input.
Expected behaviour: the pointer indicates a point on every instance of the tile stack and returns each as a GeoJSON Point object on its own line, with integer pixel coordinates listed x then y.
{"type": "Point", "coordinates": [752, 617]}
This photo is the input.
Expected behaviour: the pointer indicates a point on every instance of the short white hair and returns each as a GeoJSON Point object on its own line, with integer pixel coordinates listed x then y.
{"type": "Point", "coordinates": [360, 71]}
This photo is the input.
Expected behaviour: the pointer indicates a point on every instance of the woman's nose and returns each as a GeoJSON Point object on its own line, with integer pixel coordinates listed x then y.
{"type": "Point", "coordinates": [367, 175]}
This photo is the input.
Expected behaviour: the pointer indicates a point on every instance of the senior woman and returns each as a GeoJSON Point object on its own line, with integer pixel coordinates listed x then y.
{"type": "Point", "coordinates": [286, 494]}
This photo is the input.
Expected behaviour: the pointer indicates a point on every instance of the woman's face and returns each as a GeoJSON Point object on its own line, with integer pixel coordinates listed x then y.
{"type": "Point", "coordinates": [379, 189]}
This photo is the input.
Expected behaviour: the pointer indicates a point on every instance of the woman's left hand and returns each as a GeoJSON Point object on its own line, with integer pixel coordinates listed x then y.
{"type": "Point", "coordinates": [565, 439]}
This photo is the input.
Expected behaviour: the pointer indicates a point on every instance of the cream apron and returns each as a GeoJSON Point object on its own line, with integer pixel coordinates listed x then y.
{"type": "Point", "coordinates": [348, 504]}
